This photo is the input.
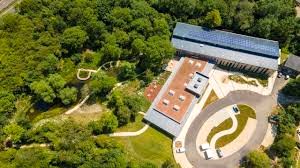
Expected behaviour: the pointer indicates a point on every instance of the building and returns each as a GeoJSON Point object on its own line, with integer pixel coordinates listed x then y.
{"type": "Point", "coordinates": [200, 50]}
{"type": "Point", "coordinates": [185, 86]}
{"type": "Point", "coordinates": [226, 48]}
{"type": "Point", "coordinates": [292, 65]}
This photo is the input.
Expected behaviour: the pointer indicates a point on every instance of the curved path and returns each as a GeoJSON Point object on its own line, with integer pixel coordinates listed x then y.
{"type": "Point", "coordinates": [261, 104]}
{"type": "Point", "coordinates": [128, 134]}
{"type": "Point", "coordinates": [225, 132]}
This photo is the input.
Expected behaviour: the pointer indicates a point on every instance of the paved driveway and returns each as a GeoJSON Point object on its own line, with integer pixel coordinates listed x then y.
{"type": "Point", "coordinates": [262, 105]}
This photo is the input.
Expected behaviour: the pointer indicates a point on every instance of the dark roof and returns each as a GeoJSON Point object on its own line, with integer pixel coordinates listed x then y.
{"type": "Point", "coordinates": [293, 62]}
{"type": "Point", "coordinates": [226, 40]}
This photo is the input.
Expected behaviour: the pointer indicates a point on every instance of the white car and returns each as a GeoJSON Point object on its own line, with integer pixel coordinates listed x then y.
{"type": "Point", "coordinates": [180, 150]}
{"type": "Point", "coordinates": [205, 146]}
{"type": "Point", "coordinates": [208, 154]}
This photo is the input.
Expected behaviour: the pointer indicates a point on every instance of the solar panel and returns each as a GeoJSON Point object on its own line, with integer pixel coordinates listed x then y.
{"type": "Point", "coordinates": [227, 39]}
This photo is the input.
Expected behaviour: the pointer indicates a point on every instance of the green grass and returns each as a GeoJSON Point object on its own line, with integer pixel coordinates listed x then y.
{"type": "Point", "coordinates": [151, 146]}
{"type": "Point", "coordinates": [284, 56]}
{"type": "Point", "coordinates": [239, 79]}
{"type": "Point", "coordinates": [242, 118]}
{"type": "Point", "coordinates": [37, 116]}
{"type": "Point", "coordinates": [211, 98]}
{"type": "Point", "coordinates": [134, 126]}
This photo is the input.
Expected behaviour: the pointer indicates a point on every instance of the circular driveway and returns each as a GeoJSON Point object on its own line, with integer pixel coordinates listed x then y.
{"type": "Point", "coordinates": [261, 104]}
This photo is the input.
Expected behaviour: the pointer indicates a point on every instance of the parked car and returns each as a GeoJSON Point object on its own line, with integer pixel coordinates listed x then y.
{"type": "Point", "coordinates": [287, 77]}
{"type": "Point", "coordinates": [274, 119]}
{"type": "Point", "coordinates": [219, 152]}
{"type": "Point", "coordinates": [235, 109]}
{"type": "Point", "coordinates": [180, 150]}
{"type": "Point", "coordinates": [204, 146]}
{"type": "Point", "coordinates": [208, 154]}
{"type": "Point", "coordinates": [279, 75]}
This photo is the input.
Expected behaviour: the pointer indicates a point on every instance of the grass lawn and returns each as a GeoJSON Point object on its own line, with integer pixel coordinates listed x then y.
{"type": "Point", "coordinates": [37, 115]}
{"type": "Point", "coordinates": [211, 98]}
{"type": "Point", "coordinates": [245, 113]}
{"type": "Point", "coordinates": [283, 57]}
{"type": "Point", "coordinates": [151, 146]}
{"type": "Point", "coordinates": [239, 79]}
{"type": "Point", "coordinates": [134, 126]}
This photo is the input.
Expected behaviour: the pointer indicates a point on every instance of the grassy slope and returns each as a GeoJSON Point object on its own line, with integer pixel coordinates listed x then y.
{"type": "Point", "coordinates": [211, 98]}
{"type": "Point", "coordinates": [245, 113]}
{"type": "Point", "coordinates": [152, 146]}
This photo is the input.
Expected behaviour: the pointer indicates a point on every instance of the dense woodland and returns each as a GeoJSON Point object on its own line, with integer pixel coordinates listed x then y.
{"type": "Point", "coordinates": [42, 46]}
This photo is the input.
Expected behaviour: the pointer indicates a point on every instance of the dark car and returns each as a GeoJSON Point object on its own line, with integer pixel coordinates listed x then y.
{"type": "Point", "coordinates": [219, 152]}
{"type": "Point", "coordinates": [274, 119]}
{"type": "Point", "coordinates": [235, 109]}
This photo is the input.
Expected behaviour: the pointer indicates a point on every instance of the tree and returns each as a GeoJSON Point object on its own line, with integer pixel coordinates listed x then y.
{"type": "Point", "coordinates": [68, 95]}
{"type": "Point", "coordinates": [157, 52]}
{"type": "Point", "coordinates": [73, 38]}
{"type": "Point", "coordinates": [14, 132]}
{"type": "Point", "coordinates": [213, 19]}
{"type": "Point", "coordinates": [7, 102]}
{"type": "Point", "coordinates": [102, 84]}
{"type": "Point", "coordinates": [244, 18]}
{"type": "Point", "coordinates": [283, 146]}
{"type": "Point", "coordinates": [111, 52]}
{"type": "Point", "coordinates": [127, 70]}
{"type": "Point", "coordinates": [257, 159]}
{"type": "Point", "coordinates": [43, 90]}
{"type": "Point", "coordinates": [294, 110]}
{"type": "Point", "coordinates": [107, 124]}
{"type": "Point", "coordinates": [291, 88]}
{"type": "Point", "coordinates": [56, 82]}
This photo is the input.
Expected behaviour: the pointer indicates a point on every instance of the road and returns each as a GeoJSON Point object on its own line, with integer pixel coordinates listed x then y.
{"type": "Point", "coordinates": [263, 105]}
{"type": "Point", "coordinates": [5, 3]}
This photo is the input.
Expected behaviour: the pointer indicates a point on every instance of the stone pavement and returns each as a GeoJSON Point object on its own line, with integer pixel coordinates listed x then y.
{"type": "Point", "coordinates": [222, 85]}
{"type": "Point", "coordinates": [181, 157]}
{"type": "Point", "coordinates": [270, 136]}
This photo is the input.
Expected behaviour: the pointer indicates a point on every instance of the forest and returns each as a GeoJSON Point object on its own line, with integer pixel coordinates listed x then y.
{"type": "Point", "coordinates": [44, 43]}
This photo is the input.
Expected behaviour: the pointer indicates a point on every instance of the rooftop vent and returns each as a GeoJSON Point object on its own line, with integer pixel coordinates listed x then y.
{"type": "Point", "coordinates": [176, 107]}
{"type": "Point", "coordinates": [199, 80]}
{"type": "Point", "coordinates": [166, 102]}
{"type": "Point", "coordinates": [181, 97]}
{"type": "Point", "coordinates": [201, 45]}
{"type": "Point", "coordinates": [198, 64]}
{"type": "Point", "coordinates": [171, 92]}
{"type": "Point", "coordinates": [191, 62]}
{"type": "Point", "coordinates": [196, 86]}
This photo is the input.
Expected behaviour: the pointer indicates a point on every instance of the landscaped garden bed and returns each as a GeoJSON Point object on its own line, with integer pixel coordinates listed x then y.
{"type": "Point", "coordinates": [242, 118]}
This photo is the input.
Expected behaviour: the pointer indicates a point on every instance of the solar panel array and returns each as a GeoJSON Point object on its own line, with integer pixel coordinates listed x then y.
{"type": "Point", "coordinates": [227, 39]}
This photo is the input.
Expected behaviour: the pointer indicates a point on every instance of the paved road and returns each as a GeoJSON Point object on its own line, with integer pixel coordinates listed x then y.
{"type": "Point", "coordinates": [262, 105]}
{"type": "Point", "coordinates": [5, 3]}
